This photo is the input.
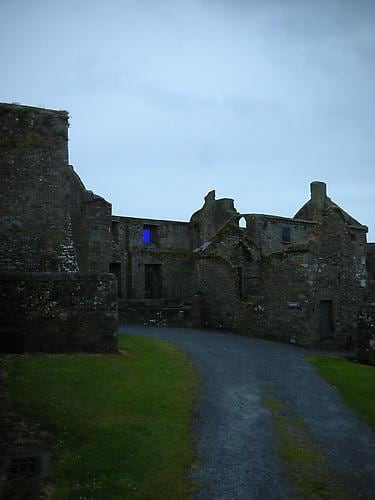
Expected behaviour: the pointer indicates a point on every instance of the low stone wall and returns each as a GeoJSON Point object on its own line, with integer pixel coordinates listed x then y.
{"type": "Point", "coordinates": [366, 334]}
{"type": "Point", "coordinates": [58, 312]}
{"type": "Point", "coordinates": [139, 313]}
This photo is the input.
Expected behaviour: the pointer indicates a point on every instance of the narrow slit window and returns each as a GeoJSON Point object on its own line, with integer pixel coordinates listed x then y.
{"type": "Point", "coordinates": [115, 268]}
{"type": "Point", "coordinates": [114, 231]}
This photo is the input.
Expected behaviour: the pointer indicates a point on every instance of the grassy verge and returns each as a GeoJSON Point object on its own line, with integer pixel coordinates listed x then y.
{"type": "Point", "coordinates": [123, 423]}
{"type": "Point", "coordinates": [355, 382]}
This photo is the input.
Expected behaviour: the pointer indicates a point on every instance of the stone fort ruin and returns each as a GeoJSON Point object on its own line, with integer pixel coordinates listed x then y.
{"type": "Point", "coordinates": [68, 267]}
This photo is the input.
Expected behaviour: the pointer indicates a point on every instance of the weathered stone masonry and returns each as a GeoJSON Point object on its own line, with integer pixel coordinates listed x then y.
{"type": "Point", "coordinates": [307, 280]}
{"type": "Point", "coordinates": [57, 312]}
{"type": "Point", "coordinates": [300, 280]}
{"type": "Point", "coordinates": [366, 321]}
{"type": "Point", "coordinates": [154, 276]}
{"type": "Point", "coordinates": [52, 232]}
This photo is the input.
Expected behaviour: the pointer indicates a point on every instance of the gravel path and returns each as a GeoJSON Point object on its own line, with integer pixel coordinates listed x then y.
{"type": "Point", "coordinates": [236, 437]}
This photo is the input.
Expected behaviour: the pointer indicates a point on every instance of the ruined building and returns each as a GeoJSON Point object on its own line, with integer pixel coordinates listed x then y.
{"type": "Point", "coordinates": [55, 290]}
{"type": "Point", "coordinates": [302, 280]}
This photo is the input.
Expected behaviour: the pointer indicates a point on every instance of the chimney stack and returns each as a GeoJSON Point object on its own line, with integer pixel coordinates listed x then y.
{"type": "Point", "coordinates": [318, 194]}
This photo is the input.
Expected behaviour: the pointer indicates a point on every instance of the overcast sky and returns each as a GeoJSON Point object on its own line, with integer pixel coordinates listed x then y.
{"type": "Point", "coordinates": [172, 98]}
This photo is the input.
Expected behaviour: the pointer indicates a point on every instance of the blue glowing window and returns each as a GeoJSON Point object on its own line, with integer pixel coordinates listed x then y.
{"type": "Point", "coordinates": [150, 234]}
{"type": "Point", "coordinates": [147, 236]}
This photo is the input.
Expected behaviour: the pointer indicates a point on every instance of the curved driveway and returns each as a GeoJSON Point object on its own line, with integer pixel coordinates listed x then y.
{"type": "Point", "coordinates": [236, 437]}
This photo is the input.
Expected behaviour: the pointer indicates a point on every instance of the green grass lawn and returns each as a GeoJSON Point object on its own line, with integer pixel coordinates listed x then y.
{"type": "Point", "coordinates": [355, 382]}
{"type": "Point", "coordinates": [122, 422]}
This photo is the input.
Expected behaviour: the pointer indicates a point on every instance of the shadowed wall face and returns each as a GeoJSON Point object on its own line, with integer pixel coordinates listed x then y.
{"type": "Point", "coordinates": [36, 225]}
{"type": "Point", "coordinates": [58, 312]}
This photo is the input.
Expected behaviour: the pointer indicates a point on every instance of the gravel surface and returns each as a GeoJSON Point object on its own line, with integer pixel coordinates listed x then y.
{"type": "Point", "coordinates": [236, 437]}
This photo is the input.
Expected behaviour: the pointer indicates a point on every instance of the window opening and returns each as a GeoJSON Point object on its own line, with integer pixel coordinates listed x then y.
{"type": "Point", "coordinates": [285, 234]}
{"type": "Point", "coordinates": [242, 222]}
{"type": "Point", "coordinates": [153, 285]}
{"type": "Point", "coordinates": [150, 234]}
{"type": "Point", "coordinates": [146, 236]}
{"type": "Point", "coordinates": [114, 231]}
{"type": "Point", "coordinates": [115, 268]}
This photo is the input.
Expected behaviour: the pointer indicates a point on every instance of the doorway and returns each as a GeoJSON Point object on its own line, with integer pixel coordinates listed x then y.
{"type": "Point", "coordinates": [153, 281]}
{"type": "Point", "coordinates": [325, 319]}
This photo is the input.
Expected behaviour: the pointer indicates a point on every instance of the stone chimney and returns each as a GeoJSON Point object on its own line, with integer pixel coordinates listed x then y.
{"type": "Point", "coordinates": [318, 194]}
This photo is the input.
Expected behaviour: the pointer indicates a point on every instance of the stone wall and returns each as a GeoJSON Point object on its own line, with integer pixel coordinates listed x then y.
{"type": "Point", "coordinates": [328, 269]}
{"type": "Point", "coordinates": [226, 269]}
{"type": "Point", "coordinates": [49, 222]}
{"type": "Point", "coordinates": [267, 231]}
{"type": "Point", "coordinates": [58, 312]}
{"type": "Point", "coordinates": [217, 293]}
{"type": "Point", "coordinates": [370, 260]}
{"type": "Point", "coordinates": [207, 221]}
{"type": "Point", "coordinates": [169, 248]}
{"type": "Point", "coordinates": [366, 334]}
{"type": "Point", "coordinates": [280, 306]}
{"type": "Point", "coordinates": [35, 223]}
{"type": "Point", "coordinates": [50, 225]}
{"type": "Point", "coordinates": [98, 215]}
{"type": "Point", "coordinates": [307, 292]}
{"type": "Point", "coordinates": [157, 315]}
{"type": "Point", "coordinates": [338, 271]}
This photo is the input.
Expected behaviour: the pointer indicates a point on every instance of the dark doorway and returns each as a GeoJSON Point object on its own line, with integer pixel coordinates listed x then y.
{"type": "Point", "coordinates": [153, 281]}
{"type": "Point", "coordinates": [115, 268]}
{"type": "Point", "coordinates": [325, 319]}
